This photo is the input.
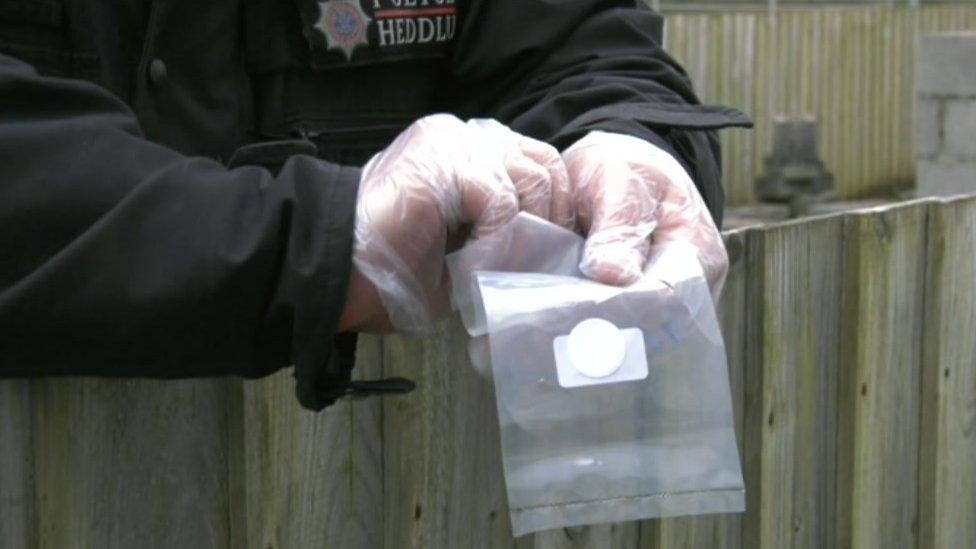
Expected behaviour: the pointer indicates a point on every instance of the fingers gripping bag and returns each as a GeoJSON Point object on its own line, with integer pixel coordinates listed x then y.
{"type": "Point", "coordinates": [613, 402]}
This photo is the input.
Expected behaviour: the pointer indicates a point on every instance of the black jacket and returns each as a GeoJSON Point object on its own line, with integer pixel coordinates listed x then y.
{"type": "Point", "coordinates": [135, 240]}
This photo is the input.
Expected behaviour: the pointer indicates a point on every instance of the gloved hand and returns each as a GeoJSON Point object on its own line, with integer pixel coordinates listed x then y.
{"type": "Point", "coordinates": [630, 194]}
{"type": "Point", "coordinates": [440, 180]}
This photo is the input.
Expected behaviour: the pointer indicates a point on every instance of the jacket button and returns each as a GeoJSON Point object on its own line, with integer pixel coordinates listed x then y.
{"type": "Point", "coordinates": [157, 72]}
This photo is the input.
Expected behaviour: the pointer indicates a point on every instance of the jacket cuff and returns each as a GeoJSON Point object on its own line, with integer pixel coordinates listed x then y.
{"type": "Point", "coordinates": [326, 205]}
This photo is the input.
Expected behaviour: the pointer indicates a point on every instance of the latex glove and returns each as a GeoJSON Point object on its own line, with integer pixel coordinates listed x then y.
{"type": "Point", "coordinates": [631, 194]}
{"type": "Point", "coordinates": [440, 180]}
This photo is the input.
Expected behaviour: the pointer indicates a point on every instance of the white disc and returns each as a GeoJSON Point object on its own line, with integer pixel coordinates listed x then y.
{"type": "Point", "coordinates": [596, 348]}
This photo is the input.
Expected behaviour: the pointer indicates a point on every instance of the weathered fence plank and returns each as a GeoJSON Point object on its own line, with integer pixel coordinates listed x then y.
{"type": "Point", "coordinates": [442, 459]}
{"type": "Point", "coordinates": [881, 338]}
{"type": "Point", "coordinates": [16, 465]}
{"type": "Point", "coordinates": [621, 535]}
{"type": "Point", "coordinates": [800, 270]}
{"type": "Point", "coordinates": [947, 479]}
{"type": "Point", "coordinates": [752, 390]}
{"type": "Point", "coordinates": [306, 479]}
{"type": "Point", "coordinates": [131, 463]}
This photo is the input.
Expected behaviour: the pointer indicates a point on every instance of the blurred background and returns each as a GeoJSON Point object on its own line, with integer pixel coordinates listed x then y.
{"type": "Point", "coordinates": [849, 65]}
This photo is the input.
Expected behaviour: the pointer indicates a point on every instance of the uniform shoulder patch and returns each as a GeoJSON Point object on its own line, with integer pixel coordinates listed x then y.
{"type": "Point", "coordinates": [344, 25]}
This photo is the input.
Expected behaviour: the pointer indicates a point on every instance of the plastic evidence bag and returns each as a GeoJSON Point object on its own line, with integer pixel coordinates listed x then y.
{"type": "Point", "coordinates": [613, 402]}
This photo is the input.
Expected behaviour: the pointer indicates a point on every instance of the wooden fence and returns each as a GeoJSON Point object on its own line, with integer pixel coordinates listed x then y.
{"type": "Point", "coordinates": [852, 67]}
{"type": "Point", "coordinates": [852, 352]}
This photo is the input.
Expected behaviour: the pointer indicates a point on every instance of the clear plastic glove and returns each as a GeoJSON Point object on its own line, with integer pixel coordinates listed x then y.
{"type": "Point", "coordinates": [630, 194]}
{"type": "Point", "coordinates": [439, 181]}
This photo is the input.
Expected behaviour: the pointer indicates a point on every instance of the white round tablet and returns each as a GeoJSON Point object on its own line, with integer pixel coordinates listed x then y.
{"type": "Point", "coordinates": [596, 347]}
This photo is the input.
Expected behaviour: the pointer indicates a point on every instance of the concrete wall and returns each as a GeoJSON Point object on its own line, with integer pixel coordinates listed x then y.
{"type": "Point", "coordinates": [945, 114]}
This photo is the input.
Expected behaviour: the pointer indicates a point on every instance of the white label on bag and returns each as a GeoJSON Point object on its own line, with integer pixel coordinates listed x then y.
{"type": "Point", "coordinates": [596, 352]}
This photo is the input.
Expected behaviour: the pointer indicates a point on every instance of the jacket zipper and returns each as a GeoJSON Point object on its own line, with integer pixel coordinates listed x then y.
{"type": "Point", "coordinates": [310, 132]}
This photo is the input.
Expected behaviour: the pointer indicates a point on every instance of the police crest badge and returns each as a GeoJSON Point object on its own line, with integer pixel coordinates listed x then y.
{"type": "Point", "coordinates": [343, 23]}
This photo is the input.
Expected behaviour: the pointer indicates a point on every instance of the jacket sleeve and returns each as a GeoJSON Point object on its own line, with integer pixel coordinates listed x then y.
{"type": "Point", "coordinates": [124, 258]}
{"type": "Point", "coordinates": [557, 69]}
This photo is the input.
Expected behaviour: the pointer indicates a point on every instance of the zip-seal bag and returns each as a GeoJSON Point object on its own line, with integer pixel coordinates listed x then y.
{"type": "Point", "coordinates": [526, 244]}
{"type": "Point", "coordinates": [613, 402]}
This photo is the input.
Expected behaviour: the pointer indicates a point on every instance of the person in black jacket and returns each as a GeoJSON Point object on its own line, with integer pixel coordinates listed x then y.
{"type": "Point", "coordinates": [179, 180]}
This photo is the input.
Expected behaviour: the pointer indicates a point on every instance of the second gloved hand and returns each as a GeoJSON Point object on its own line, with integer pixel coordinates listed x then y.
{"type": "Point", "coordinates": [631, 194]}
{"type": "Point", "coordinates": [439, 180]}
